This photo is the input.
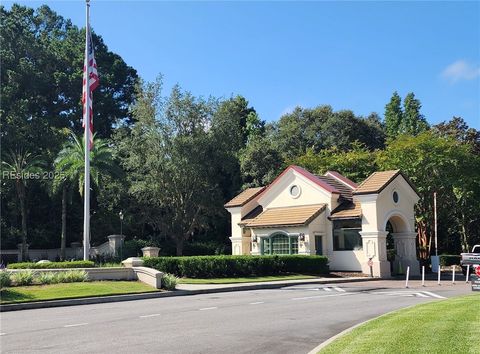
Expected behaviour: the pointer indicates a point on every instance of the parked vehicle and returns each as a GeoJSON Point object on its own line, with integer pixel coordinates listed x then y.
{"type": "Point", "coordinates": [470, 259]}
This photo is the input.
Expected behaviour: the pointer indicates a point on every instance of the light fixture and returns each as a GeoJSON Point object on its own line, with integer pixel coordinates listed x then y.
{"type": "Point", "coordinates": [301, 237]}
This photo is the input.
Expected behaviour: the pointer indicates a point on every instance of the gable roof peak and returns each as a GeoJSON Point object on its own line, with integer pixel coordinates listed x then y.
{"type": "Point", "coordinates": [377, 182]}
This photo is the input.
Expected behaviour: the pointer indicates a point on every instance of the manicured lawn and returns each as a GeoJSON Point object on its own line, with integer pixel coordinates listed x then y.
{"type": "Point", "coordinates": [449, 326]}
{"type": "Point", "coordinates": [244, 280]}
{"type": "Point", "coordinates": [71, 290]}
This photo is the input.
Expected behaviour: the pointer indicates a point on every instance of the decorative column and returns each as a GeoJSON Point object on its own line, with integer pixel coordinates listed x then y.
{"type": "Point", "coordinates": [406, 252]}
{"type": "Point", "coordinates": [116, 244]}
{"type": "Point", "coordinates": [375, 248]}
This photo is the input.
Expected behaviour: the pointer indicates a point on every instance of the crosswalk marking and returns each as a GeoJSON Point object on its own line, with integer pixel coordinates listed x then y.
{"type": "Point", "coordinates": [434, 295]}
{"type": "Point", "coordinates": [423, 294]}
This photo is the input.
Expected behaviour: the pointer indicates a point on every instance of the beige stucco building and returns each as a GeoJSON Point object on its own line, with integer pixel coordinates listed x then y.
{"type": "Point", "coordinates": [302, 213]}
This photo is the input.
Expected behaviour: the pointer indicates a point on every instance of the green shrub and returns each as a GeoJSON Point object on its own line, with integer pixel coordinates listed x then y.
{"type": "Point", "coordinates": [449, 259]}
{"type": "Point", "coordinates": [169, 281]}
{"type": "Point", "coordinates": [48, 278]}
{"type": "Point", "coordinates": [24, 277]}
{"type": "Point", "coordinates": [52, 265]}
{"type": "Point", "coordinates": [72, 276]}
{"type": "Point", "coordinates": [5, 280]}
{"type": "Point", "coordinates": [238, 266]}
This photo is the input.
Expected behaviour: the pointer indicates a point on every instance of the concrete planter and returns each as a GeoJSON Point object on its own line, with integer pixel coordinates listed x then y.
{"type": "Point", "coordinates": [150, 251]}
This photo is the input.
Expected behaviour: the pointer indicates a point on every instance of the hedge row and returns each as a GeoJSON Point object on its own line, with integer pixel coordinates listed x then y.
{"type": "Point", "coordinates": [238, 266]}
{"type": "Point", "coordinates": [449, 259]}
{"type": "Point", "coordinates": [52, 265]}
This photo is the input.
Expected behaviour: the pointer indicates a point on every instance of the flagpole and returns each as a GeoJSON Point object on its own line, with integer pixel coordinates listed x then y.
{"type": "Point", "coordinates": [86, 119]}
{"type": "Point", "coordinates": [435, 217]}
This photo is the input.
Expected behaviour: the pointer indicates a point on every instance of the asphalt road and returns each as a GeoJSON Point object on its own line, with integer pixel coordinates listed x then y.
{"type": "Point", "coordinates": [290, 320]}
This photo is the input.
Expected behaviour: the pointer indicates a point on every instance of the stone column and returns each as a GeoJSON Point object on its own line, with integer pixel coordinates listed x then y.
{"type": "Point", "coordinates": [76, 249]}
{"type": "Point", "coordinates": [19, 246]}
{"type": "Point", "coordinates": [406, 252]}
{"type": "Point", "coordinates": [116, 244]}
{"type": "Point", "coordinates": [375, 247]}
{"type": "Point", "coordinates": [150, 251]}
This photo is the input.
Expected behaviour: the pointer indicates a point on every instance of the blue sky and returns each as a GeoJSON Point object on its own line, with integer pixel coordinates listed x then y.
{"type": "Point", "coordinates": [351, 55]}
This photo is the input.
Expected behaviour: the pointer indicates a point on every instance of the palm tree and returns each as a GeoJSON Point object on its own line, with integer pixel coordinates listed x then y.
{"type": "Point", "coordinates": [70, 171]}
{"type": "Point", "coordinates": [22, 166]}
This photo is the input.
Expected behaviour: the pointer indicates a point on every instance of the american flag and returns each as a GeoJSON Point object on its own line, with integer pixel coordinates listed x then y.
{"type": "Point", "coordinates": [93, 82]}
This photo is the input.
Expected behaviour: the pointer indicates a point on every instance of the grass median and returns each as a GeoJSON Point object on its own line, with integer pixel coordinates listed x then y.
{"type": "Point", "coordinates": [448, 326]}
{"type": "Point", "coordinates": [71, 290]}
{"type": "Point", "coordinates": [244, 279]}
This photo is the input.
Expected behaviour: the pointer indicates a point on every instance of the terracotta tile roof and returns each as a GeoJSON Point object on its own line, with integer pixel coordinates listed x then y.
{"type": "Point", "coordinates": [342, 178]}
{"type": "Point", "coordinates": [345, 191]}
{"type": "Point", "coordinates": [251, 215]}
{"type": "Point", "coordinates": [347, 210]}
{"type": "Point", "coordinates": [376, 182]}
{"type": "Point", "coordinates": [290, 216]}
{"type": "Point", "coordinates": [305, 174]}
{"type": "Point", "coordinates": [244, 197]}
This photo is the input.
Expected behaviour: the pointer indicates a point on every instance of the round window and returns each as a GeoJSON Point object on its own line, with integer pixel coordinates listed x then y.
{"type": "Point", "coordinates": [395, 197]}
{"type": "Point", "coordinates": [294, 191]}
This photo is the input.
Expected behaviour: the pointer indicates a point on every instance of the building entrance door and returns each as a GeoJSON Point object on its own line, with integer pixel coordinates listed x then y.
{"type": "Point", "coordinates": [318, 245]}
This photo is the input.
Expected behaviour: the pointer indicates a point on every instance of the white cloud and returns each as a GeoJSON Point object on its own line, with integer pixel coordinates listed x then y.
{"type": "Point", "coordinates": [461, 70]}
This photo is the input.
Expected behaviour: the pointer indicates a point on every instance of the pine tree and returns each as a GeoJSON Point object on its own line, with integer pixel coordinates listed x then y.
{"type": "Point", "coordinates": [413, 121]}
{"type": "Point", "coordinates": [393, 116]}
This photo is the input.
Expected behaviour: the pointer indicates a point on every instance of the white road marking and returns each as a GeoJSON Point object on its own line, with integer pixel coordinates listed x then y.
{"type": "Point", "coordinates": [2, 334]}
{"type": "Point", "coordinates": [208, 308]}
{"type": "Point", "coordinates": [424, 294]}
{"type": "Point", "coordinates": [76, 325]}
{"type": "Point", "coordinates": [339, 289]}
{"type": "Point", "coordinates": [421, 295]}
{"type": "Point", "coordinates": [152, 315]}
{"type": "Point", "coordinates": [399, 293]}
{"type": "Point", "coordinates": [318, 296]}
{"type": "Point", "coordinates": [327, 289]}
{"type": "Point", "coordinates": [433, 295]}
{"type": "Point", "coordinates": [257, 303]}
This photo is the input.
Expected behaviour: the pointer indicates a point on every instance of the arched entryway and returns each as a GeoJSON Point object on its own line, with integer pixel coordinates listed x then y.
{"type": "Point", "coordinates": [401, 244]}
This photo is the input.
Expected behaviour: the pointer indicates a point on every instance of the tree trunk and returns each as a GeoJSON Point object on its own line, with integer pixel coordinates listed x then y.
{"type": "Point", "coordinates": [422, 240]}
{"type": "Point", "coordinates": [464, 236]}
{"type": "Point", "coordinates": [63, 240]}
{"type": "Point", "coordinates": [23, 212]}
{"type": "Point", "coordinates": [179, 245]}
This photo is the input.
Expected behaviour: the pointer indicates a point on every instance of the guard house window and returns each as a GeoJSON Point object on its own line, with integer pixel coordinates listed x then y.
{"type": "Point", "coordinates": [395, 197]}
{"type": "Point", "coordinates": [280, 244]}
{"type": "Point", "coordinates": [346, 235]}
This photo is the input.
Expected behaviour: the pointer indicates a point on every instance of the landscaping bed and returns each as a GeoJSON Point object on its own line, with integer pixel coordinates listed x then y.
{"type": "Point", "coordinates": [449, 326]}
{"type": "Point", "coordinates": [71, 290]}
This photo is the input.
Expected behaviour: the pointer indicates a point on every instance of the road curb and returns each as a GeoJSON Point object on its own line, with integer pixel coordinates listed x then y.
{"type": "Point", "coordinates": [155, 295]}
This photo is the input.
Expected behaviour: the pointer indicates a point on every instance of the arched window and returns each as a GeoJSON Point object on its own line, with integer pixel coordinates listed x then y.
{"type": "Point", "coordinates": [280, 244]}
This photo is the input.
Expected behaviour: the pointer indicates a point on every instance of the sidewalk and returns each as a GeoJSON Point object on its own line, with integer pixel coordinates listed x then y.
{"type": "Point", "coordinates": [182, 290]}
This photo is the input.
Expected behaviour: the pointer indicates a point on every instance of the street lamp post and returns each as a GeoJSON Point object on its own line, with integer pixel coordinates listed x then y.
{"type": "Point", "coordinates": [120, 214]}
